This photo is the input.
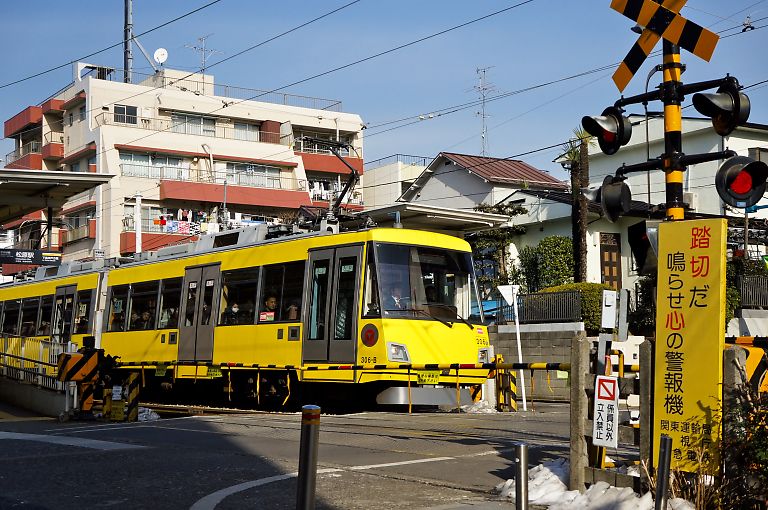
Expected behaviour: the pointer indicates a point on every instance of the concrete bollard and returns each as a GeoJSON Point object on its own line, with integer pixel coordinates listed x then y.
{"type": "Point", "coordinates": [521, 476]}
{"type": "Point", "coordinates": [310, 433]}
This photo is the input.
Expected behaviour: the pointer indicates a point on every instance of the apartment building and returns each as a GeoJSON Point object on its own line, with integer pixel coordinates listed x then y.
{"type": "Point", "coordinates": [196, 155]}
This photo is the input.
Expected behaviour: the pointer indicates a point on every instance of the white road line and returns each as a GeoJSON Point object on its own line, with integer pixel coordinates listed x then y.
{"type": "Point", "coordinates": [70, 441]}
{"type": "Point", "coordinates": [210, 501]}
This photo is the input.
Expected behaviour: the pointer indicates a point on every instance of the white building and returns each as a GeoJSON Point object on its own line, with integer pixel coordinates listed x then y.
{"type": "Point", "coordinates": [191, 149]}
{"type": "Point", "coordinates": [386, 179]}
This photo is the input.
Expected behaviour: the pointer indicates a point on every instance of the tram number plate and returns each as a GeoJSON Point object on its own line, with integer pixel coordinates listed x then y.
{"type": "Point", "coordinates": [428, 377]}
{"type": "Point", "coordinates": [214, 372]}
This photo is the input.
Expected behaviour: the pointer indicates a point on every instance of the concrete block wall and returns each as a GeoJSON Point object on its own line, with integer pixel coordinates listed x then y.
{"type": "Point", "coordinates": [541, 343]}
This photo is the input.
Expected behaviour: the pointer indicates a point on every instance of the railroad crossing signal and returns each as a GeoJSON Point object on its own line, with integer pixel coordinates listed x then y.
{"type": "Point", "coordinates": [612, 129]}
{"type": "Point", "coordinates": [728, 107]}
{"type": "Point", "coordinates": [660, 21]}
{"type": "Point", "coordinates": [740, 181]}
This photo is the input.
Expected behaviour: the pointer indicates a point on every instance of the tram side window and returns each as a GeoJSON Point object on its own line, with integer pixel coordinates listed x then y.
{"type": "Point", "coordinates": [46, 311]}
{"type": "Point", "coordinates": [170, 299]}
{"type": "Point", "coordinates": [238, 295]}
{"type": "Point", "coordinates": [11, 317]}
{"type": "Point", "coordinates": [143, 305]}
{"type": "Point", "coordinates": [29, 308]}
{"type": "Point", "coordinates": [118, 305]}
{"type": "Point", "coordinates": [83, 312]}
{"type": "Point", "coordinates": [371, 291]}
{"type": "Point", "coordinates": [281, 295]}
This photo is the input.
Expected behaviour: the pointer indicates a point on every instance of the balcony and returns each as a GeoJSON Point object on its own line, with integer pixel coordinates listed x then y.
{"type": "Point", "coordinates": [28, 156]}
{"type": "Point", "coordinates": [324, 195]}
{"type": "Point", "coordinates": [29, 116]}
{"type": "Point", "coordinates": [155, 235]}
{"type": "Point", "coordinates": [53, 145]}
{"type": "Point", "coordinates": [236, 178]}
{"type": "Point", "coordinates": [186, 128]}
{"type": "Point", "coordinates": [87, 231]}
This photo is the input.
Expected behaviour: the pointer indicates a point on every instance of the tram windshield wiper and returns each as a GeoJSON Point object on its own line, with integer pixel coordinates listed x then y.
{"type": "Point", "coordinates": [427, 314]}
{"type": "Point", "coordinates": [453, 309]}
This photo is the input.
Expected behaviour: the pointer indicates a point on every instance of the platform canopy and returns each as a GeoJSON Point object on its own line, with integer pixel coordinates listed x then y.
{"type": "Point", "coordinates": [439, 219]}
{"type": "Point", "coordinates": [26, 191]}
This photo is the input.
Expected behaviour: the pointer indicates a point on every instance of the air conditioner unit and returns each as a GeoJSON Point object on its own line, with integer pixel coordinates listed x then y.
{"type": "Point", "coordinates": [692, 199]}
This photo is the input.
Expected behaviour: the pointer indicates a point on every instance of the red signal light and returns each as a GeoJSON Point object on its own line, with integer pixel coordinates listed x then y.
{"type": "Point", "coordinates": [742, 183]}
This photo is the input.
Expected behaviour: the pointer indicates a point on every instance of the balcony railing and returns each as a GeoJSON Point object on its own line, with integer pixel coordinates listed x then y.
{"type": "Point", "coordinates": [76, 234]}
{"type": "Point", "coordinates": [236, 178]}
{"type": "Point", "coordinates": [301, 145]}
{"type": "Point", "coordinates": [404, 159]}
{"type": "Point", "coordinates": [355, 198]}
{"type": "Point", "coordinates": [33, 147]}
{"type": "Point", "coordinates": [53, 137]}
{"type": "Point", "coordinates": [188, 128]}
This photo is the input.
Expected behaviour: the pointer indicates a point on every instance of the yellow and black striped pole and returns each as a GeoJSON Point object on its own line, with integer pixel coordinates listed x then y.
{"type": "Point", "coordinates": [132, 397]}
{"type": "Point", "coordinates": [673, 136]}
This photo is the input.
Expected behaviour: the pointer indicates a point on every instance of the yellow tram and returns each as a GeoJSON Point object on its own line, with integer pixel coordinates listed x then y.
{"type": "Point", "coordinates": [262, 318]}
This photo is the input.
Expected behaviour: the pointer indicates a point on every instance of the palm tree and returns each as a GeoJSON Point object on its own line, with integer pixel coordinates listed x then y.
{"type": "Point", "coordinates": [576, 159]}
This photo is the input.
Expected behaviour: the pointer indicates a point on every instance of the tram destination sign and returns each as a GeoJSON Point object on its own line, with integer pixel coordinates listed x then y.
{"type": "Point", "coordinates": [34, 257]}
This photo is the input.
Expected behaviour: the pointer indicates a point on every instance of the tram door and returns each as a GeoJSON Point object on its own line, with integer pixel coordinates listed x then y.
{"type": "Point", "coordinates": [330, 331]}
{"type": "Point", "coordinates": [199, 305]}
{"type": "Point", "coordinates": [63, 311]}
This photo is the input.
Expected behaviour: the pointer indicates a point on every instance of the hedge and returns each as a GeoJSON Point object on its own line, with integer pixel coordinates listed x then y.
{"type": "Point", "coordinates": [591, 301]}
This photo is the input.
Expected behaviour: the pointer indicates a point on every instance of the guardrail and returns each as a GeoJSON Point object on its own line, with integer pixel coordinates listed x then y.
{"type": "Point", "coordinates": [32, 360]}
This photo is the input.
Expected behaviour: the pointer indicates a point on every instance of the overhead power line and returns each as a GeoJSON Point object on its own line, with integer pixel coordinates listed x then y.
{"type": "Point", "coordinates": [41, 73]}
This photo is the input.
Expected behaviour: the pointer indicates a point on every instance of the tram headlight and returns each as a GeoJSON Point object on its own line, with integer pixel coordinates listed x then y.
{"type": "Point", "coordinates": [483, 356]}
{"type": "Point", "coordinates": [397, 352]}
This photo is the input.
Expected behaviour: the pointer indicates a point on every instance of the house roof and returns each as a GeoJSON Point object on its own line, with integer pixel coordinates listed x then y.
{"type": "Point", "coordinates": [504, 171]}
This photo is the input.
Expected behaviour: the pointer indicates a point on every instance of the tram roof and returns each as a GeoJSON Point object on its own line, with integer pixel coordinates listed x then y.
{"type": "Point", "coordinates": [436, 219]}
{"type": "Point", "coordinates": [26, 191]}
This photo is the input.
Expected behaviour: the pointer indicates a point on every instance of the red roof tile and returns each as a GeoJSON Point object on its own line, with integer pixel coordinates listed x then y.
{"type": "Point", "coordinates": [505, 171]}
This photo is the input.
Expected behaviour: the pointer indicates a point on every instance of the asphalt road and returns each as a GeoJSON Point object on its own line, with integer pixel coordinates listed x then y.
{"type": "Point", "coordinates": [366, 461]}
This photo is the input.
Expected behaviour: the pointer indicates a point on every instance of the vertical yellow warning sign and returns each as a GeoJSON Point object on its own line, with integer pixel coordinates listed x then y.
{"type": "Point", "coordinates": [690, 334]}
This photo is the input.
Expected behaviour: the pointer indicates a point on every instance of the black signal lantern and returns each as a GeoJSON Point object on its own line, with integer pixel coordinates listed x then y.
{"type": "Point", "coordinates": [741, 181]}
{"type": "Point", "coordinates": [612, 129]}
{"type": "Point", "coordinates": [727, 108]}
{"type": "Point", "coordinates": [615, 198]}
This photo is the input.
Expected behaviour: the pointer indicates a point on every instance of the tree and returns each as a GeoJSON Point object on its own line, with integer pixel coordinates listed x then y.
{"type": "Point", "coordinates": [490, 248]}
{"type": "Point", "coordinates": [576, 159]}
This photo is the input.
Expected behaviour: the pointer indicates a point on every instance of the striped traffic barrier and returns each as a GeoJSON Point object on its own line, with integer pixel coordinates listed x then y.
{"type": "Point", "coordinates": [132, 397]}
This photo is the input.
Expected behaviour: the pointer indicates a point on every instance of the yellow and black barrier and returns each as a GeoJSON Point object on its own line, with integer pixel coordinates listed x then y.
{"type": "Point", "coordinates": [164, 365]}
{"type": "Point", "coordinates": [132, 397]}
{"type": "Point", "coordinates": [82, 368]}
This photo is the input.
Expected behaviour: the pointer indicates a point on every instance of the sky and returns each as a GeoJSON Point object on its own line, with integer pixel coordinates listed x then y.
{"type": "Point", "coordinates": [433, 75]}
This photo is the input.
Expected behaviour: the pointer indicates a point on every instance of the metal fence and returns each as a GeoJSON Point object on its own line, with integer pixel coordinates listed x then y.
{"type": "Point", "coordinates": [754, 291]}
{"type": "Point", "coordinates": [32, 360]}
{"type": "Point", "coordinates": [545, 307]}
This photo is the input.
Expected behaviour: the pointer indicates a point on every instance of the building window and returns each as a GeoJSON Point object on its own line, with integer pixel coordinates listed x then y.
{"type": "Point", "coordinates": [125, 114]}
{"type": "Point", "coordinates": [193, 124]}
{"type": "Point", "coordinates": [247, 132]}
{"type": "Point", "coordinates": [82, 113]}
{"type": "Point", "coordinates": [71, 118]}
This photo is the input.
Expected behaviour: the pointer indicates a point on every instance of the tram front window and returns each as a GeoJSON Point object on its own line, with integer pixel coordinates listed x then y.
{"type": "Point", "coordinates": [418, 281]}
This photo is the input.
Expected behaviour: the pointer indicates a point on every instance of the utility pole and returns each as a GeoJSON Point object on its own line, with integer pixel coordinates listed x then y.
{"type": "Point", "coordinates": [127, 39]}
{"type": "Point", "coordinates": [483, 88]}
{"type": "Point", "coordinates": [137, 220]}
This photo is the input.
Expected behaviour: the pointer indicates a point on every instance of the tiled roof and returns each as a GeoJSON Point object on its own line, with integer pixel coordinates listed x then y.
{"type": "Point", "coordinates": [505, 171]}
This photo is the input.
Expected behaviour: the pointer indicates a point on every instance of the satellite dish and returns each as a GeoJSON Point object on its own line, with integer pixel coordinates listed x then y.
{"type": "Point", "coordinates": [161, 55]}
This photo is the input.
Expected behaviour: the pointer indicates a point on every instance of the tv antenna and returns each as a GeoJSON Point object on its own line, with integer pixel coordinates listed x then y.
{"type": "Point", "coordinates": [483, 88]}
{"type": "Point", "coordinates": [204, 52]}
